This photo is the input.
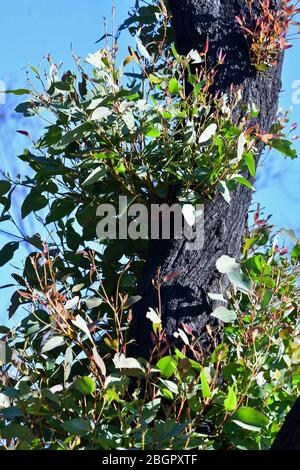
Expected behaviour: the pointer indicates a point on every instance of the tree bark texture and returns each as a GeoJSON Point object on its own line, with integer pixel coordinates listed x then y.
{"type": "Point", "coordinates": [184, 298]}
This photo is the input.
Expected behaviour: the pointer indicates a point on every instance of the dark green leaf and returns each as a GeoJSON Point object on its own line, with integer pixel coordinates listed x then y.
{"type": "Point", "coordinates": [76, 134]}
{"type": "Point", "coordinates": [284, 146]}
{"type": "Point", "coordinates": [78, 426]}
{"type": "Point", "coordinates": [12, 431]}
{"type": "Point", "coordinates": [4, 187]}
{"type": "Point", "coordinates": [60, 208]}
{"type": "Point", "coordinates": [33, 202]}
{"type": "Point", "coordinates": [7, 252]}
{"type": "Point", "coordinates": [150, 411]}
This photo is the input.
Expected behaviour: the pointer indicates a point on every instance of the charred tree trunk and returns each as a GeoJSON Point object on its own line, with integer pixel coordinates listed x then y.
{"type": "Point", "coordinates": [288, 437]}
{"type": "Point", "coordinates": [184, 298]}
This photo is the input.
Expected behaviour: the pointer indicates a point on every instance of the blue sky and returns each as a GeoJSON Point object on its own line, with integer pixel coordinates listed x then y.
{"type": "Point", "coordinates": [29, 30]}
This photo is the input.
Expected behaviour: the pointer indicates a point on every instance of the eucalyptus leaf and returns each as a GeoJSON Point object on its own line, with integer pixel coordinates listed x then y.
{"type": "Point", "coordinates": [208, 133]}
{"type": "Point", "coordinates": [250, 419]}
{"type": "Point", "coordinates": [226, 264]}
{"type": "Point", "coordinates": [52, 343]}
{"type": "Point", "coordinates": [101, 113]}
{"type": "Point", "coordinates": [224, 314]}
{"type": "Point", "coordinates": [95, 176]}
{"type": "Point", "coordinates": [78, 427]}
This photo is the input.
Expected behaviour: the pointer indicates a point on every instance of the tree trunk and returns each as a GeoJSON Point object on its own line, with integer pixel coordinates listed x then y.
{"type": "Point", "coordinates": [184, 298]}
{"type": "Point", "coordinates": [288, 437]}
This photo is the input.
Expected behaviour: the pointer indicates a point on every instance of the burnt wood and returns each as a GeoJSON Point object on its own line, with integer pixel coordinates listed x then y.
{"type": "Point", "coordinates": [184, 299]}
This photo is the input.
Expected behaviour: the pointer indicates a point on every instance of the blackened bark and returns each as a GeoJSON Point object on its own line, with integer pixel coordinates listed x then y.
{"type": "Point", "coordinates": [184, 298]}
{"type": "Point", "coordinates": [288, 437]}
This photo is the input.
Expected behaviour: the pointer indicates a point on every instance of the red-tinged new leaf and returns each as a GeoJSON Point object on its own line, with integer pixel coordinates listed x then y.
{"type": "Point", "coordinates": [24, 133]}
{"type": "Point", "coordinates": [206, 46]}
{"type": "Point", "coordinates": [239, 20]}
{"type": "Point", "coordinates": [284, 44]}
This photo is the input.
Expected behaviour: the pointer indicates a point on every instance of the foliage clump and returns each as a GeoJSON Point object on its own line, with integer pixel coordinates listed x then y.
{"type": "Point", "coordinates": [267, 35]}
{"type": "Point", "coordinates": [69, 383]}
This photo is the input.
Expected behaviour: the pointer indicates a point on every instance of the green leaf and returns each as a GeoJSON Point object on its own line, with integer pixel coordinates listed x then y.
{"type": "Point", "coordinates": [153, 133]}
{"type": "Point", "coordinates": [4, 187]}
{"type": "Point", "coordinates": [174, 51]}
{"type": "Point", "coordinates": [95, 176]}
{"type": "Point", "coordinates": [204, 385]}
{"type": "Point", "coordinates": [224, 190]}
{"type": "Point", "coordinates": [172, 387]}
{"type": "Point", "coordinates": [34, 69]}
{"type": "Point", "coordinates": [51, 137]}
{"type": "Point", "coordinates": [266, 299]}
{"type": "Point", "coordinates": [249, 418]}
{"type": "Point", "coordinates": [250, 162]}
{"type": "Point", "coordinates": [142, 49]}
{"type": "Point", "coordinates": [15, 302]}
{"type": "Point", "coordinates": [155, 79]}
{"type": "Point", "coordinates": [27, 109]}
{"type": "Point", "coordinates": [60, 208]}
{"type": "Point", "coordinates": [78, 426]}
{"type": "Point", "coordinates": [7, 252]}
{"type": "Point", "coordinates": [241, 146]}
{"type": "Point", "coordinates": [240, 281]}
{"type": "Point", "coordinates": [167, 366]}
{"type": "Point", "coordinates": [76, 134]}
{"type": "Point", "coordinates": [132, 300]}
{"type": "Point", "coordinates": [295, 253]}
{"type": "Point", "coordinates": [20, 91]}
{"type": "Point", "coordinates": [289, 233]}
{"type": "Point", "coordinates": [129, 120]}
{"type": "Point", "coordinates": [52, 343]}
{"type": "Point", "coordinates": [242, 180]}
{"type": "Point", "coordinates": [92, 302]}
{"type": "Point", "coordinates": [198, 87]}
{"type": "Point", "coordinates": [4, 329]}
{"type": "Point", "coordinates": [128, 364]}
{"type": "Point", "coordinates": [12, 412]}
{"type": "Point", "coordinates": [284, 146]}
{"type": "Point", "coordinates": [85, 385]}
{"type": "Point", "coordinates": [223, 314]}
{"type": "Point", "coordinates": [68, 361]}
{"type": "Point", "coordinates": [62, 86]}
{"type": "Point", "coordinates": [150, 410]}
{"type": "Point", "coordinates": [12, 431]}
{"type": "Point", "coordinates": [174, 86]}
{"type": "Point", "coordinates": [82, 325]}
{"type": "Point", "coordinates": [101, 113]}
{"type": "Point", "coordinates": [226, 264]}
{"type": "Point", "coordinates": [5, 353]}
{"type": "Point", "coordinates": [208, 133]}
{"type": "Point", "coordinates": [230, 402]}
{"type": "Point", "coordinates": [214, 296]}
{"type": "Point", "coordinates": [33, 202]}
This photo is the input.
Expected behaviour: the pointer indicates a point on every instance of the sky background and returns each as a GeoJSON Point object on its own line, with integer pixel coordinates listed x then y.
{"type": "Point", "coordinates": [30, 29]}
